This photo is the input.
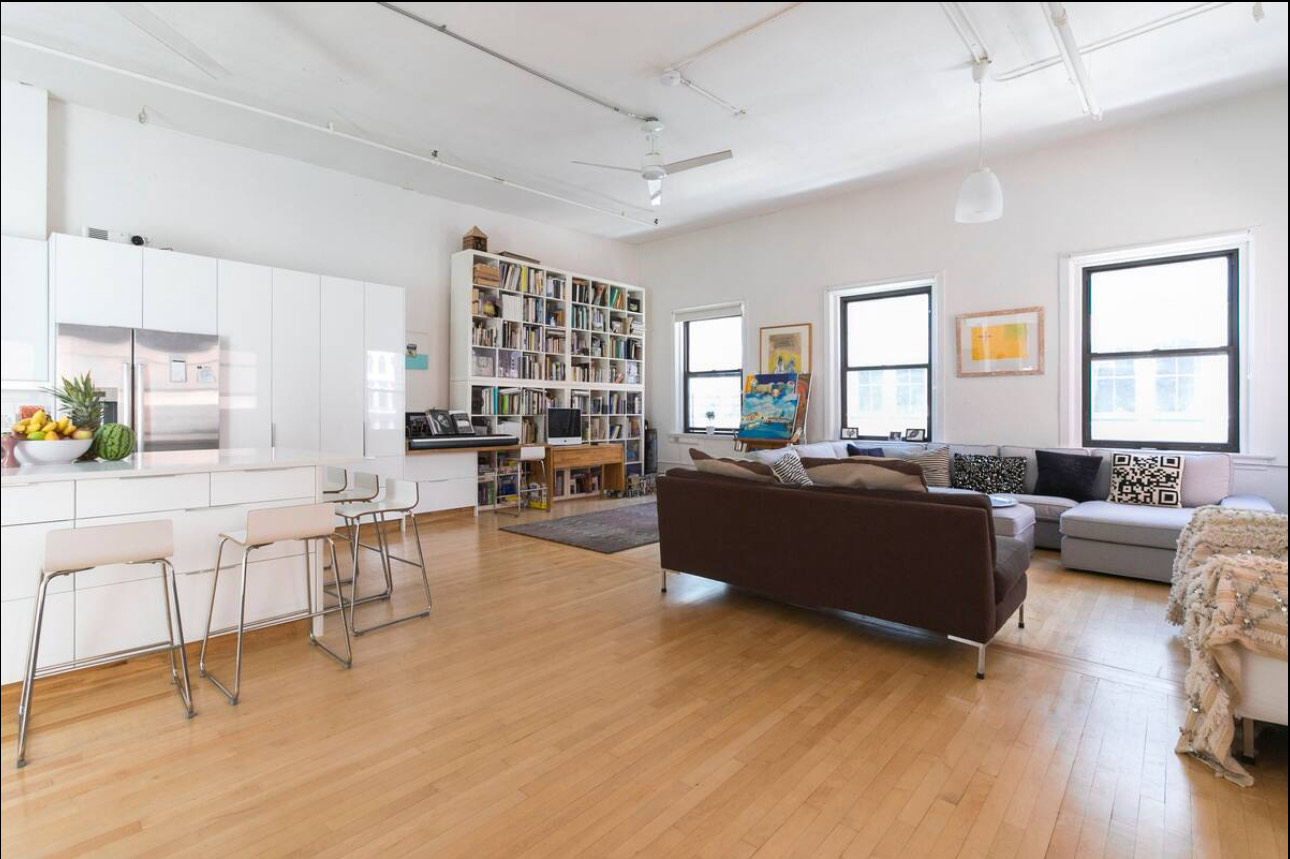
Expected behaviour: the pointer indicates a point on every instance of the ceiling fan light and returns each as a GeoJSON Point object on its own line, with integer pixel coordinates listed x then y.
{"type": "Point", "coordinates": [980, 198]}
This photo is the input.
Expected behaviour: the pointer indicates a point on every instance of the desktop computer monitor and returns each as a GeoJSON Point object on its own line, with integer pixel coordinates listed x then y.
{"type": "Point", "coordinates": [564, 426]}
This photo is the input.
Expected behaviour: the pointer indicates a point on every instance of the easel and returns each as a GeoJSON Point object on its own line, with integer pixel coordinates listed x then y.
{"type": "Point", "coordinates": [798, 432]}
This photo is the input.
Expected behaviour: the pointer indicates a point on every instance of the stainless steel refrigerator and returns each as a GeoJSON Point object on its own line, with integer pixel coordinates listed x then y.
{"type": "Point", "coordinates": [162, 384]}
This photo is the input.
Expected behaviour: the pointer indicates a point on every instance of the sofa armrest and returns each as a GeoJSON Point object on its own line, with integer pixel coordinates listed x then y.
{"type": "Point", "coordinates": [1248, 502]}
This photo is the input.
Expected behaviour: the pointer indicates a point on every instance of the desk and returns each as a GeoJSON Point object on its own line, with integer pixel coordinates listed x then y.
{"type": "Point", "coordinates": [607, 457]}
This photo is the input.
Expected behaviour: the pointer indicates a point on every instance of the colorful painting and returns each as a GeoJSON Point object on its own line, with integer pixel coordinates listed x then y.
{"type": "Point", "coordinates": [769, 406]}
{"type": "Point", "coordinates": [786, 348]}
{"type": "Point", "coordinates": [1000, 343]}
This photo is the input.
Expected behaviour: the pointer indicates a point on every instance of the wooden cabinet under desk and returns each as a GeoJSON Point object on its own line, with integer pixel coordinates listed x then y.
{"type": "Point", "coordinates": [607, 457]}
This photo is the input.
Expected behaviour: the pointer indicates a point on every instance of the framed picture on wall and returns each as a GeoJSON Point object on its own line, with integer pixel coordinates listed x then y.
{"type": "Point", "coordinates": [1000, 343]}
{"type": "Point", "coordinates": [786, 348]}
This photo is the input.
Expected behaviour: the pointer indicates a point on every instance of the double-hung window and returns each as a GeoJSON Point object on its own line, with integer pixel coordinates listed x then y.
{"type": "Point", "coordinates": [1161, 353]}
{"type": "Point", "coordinates": [712, 372]}
{"type": "Point", "coordinates": [886, 348]}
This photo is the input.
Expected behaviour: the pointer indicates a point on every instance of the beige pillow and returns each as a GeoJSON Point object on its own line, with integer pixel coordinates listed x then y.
{"type": "Point", "coordinates": [866, 473]}
{"type": "Point", "coordinates": [935, 463]}
{"type": "Point", "coordinates": [744, 469]}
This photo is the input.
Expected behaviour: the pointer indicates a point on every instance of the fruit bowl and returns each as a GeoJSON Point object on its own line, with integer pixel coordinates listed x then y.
{"type": "Point", "coordinates": [51, 452]}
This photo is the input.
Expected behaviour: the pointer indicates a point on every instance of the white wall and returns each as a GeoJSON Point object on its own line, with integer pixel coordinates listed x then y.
{"type": "Point", "coordinates": [207, 197]}
{"type": "Point", "coordinates": [23, 150]}
{"type": "Point", "coordinates": [1216, 169]}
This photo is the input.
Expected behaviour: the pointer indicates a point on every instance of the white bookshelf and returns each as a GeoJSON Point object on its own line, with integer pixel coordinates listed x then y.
{"type": "Point", "coordinates": [530, 337]}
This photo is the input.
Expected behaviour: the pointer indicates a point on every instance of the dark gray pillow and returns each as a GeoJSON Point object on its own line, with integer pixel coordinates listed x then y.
{"type": "Point", "coordinates": [1067, 475]}
{"type": "Point", "coordinates": [988, 473]}
{"type": "Point", "coordinates": [857, 450]}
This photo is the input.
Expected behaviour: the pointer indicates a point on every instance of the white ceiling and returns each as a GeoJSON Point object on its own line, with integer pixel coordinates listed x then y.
{"type": "Point", "coordinates": [836, 94]}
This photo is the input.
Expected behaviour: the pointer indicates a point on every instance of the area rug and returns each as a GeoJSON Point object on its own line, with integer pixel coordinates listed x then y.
{"type": "Point", "coordinates": [607, 531]}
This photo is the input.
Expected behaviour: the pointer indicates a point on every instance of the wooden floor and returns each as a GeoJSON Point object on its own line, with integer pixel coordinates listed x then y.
{"type": "Point", "coordinates": [557, 705]}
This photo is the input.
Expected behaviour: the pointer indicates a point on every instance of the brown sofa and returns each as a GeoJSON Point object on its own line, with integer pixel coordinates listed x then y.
{"type": "Point", "coordinates": [925, 560]}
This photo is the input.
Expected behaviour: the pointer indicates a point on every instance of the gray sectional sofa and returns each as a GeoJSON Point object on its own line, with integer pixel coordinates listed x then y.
{"type": "Point", "coordinates": [1123, 539]}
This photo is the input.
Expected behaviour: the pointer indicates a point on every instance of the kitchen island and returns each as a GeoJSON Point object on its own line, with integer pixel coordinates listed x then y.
{"type": "Point", "coordinates": [109, 609]}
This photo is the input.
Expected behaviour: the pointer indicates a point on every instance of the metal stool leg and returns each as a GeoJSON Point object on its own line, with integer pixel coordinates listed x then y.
{"type": "Point", "coordinates": [386, 558]}
{"type": "Point", "coordinates": [232, 695]}
{"type": "Point", "coordinates": [210, 615]}
{"type": "Point", "coordinates": [33, 651]}
{"type": "Point", "coordinates": [177, 638]}
{"type": "Point", "coordinates": [348, 659]}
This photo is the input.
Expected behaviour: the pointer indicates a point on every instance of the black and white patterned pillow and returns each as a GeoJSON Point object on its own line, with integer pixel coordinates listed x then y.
{"type": "Point", "coordinates": [1154, 479]}
{"type": "Point", "coordinates": [789, 470]}
{"type": "Point", "coordinates": [989, 473]}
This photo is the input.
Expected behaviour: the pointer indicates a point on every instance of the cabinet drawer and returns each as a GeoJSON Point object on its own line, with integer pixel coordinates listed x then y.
{"type": "Point", "coordinates": [23, 503]}
{"type": "Point", "coordinates": [600, 454]}
{"type": "Point", "coordinates": [268, 484]}
{"type": "Point", "coordinates": [56, 634]}
{"type": "Point", "coordinates": [446, 494]}
{"type": "Point", "coordinates": [24, 552]}
{"type": "Point", "coordinates": [122, 496]}
{"type": "Point", "coordinates": [439, 466]}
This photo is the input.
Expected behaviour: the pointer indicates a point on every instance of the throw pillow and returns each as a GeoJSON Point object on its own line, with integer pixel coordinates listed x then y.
{"type": "Point", "coordinates": [989, 473]}
{"type": "Point", "coordinates": [866, 474]}
{"type": "Point", "coordinates": [741, 468]}
{"type": "Point", "coordinates": [857, 450]}
{"type": "Point", "coordinates": [935, 463]}
{"type": "Point", "coordinates": [1067, 475]}
{"type": "Point", "coordinates": [788, 470]}
{"type": "Point", "coordinates": [1154, 479]}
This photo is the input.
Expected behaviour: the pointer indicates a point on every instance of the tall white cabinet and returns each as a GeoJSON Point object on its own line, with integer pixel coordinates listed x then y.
{"type": "Point", "coordinates": [385, 344]}
{"type": "Point", "coordinates": [297, 372]}
{"type": "Point", "coordinates": [179, 292]}
{"type": "Point", "coordinates": [96, 282]}
{"type": "Point", "coordinates": [341, 312]}
{"type": "Point", "coordinates": [24, 324]}
{"type": "Point", "coordinates": [245, 329]}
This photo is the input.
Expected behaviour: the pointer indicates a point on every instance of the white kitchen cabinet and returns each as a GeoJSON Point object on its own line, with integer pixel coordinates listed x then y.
{"type": "Point", "coordinates": [342, 378]}
{"type": "Point", "coordinates": [122, 616]}
{"type": "Point", "coordinates": [245, 328]}
{"type": "Point", "coordinates": [297, 355]}
{"type": "Point", "coordinates": [96, 282]}
{"type": "Point", "coordinates": [274, 588]}
{"type": "Point", "coordinates": [179, 292]}
{"type": "Point", "coordinates": [57, 634]}
{"type": "Point", "coordinates": [24, 325]}
{"type": "Point", "coordinates": [24, 554]}
{"type": "Point", "coordinates": [385, 341]}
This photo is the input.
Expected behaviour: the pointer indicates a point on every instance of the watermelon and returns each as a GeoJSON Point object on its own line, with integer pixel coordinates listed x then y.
{"type": "Point", "coordinates": [113, 442]}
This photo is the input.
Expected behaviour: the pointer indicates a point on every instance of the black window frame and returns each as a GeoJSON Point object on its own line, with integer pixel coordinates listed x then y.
{"type": "Point", "coordinates": [844, 305]}
{"type": "Point", "coordinates": [1232, 350]}
{"type": "Point", "coordinates": [686, 375]}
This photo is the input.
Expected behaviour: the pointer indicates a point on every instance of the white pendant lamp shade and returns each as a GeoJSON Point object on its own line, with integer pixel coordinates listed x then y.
{"type": "Point", "coordinates": [980, 195]}
{"type": "Point", "coordinates": [980, 198]}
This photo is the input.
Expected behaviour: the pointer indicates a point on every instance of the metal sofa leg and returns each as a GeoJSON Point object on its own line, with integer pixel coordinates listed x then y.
{"type": "Point", "coordinates": [1021, 616]}
{"type": "Point", "coordinates": [980, 654]}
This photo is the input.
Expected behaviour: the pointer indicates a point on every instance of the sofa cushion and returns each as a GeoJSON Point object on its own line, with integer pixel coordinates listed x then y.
{"type": "Point", "coordinates": [974, 449]}
{"type": "Point", "coordinates": [1032, 463]}
{"type": "Point", "coordinates": [744, 469]}
{"type": "Point", "coordinates": [1011, 560]}
{"type": "Point", "coordinates": [865, 474]}
{"type": "Point", "coordinates": [1011, 521]}
{"type": "Point", "coordinates": [788, 470]}
{"type": "Point", "coordinates": [857, 450]}
{"type": "Point", "coordinates": [988, 473]}
{"type": "Point", "coordinates": [1048, 508]}
{"type": "Point", "coordinates": [1126, 524]}
{"type": "Point", "coordinates": [820, 450]}
{"type": "Point", "coordinates": [1151, 479]}
{"type": "Point", "coordinates": [935, 463]}
{"type": "Point", "coordinates": [1067, 475]}
{"type": "Point", "coordinates": [1207, 479]}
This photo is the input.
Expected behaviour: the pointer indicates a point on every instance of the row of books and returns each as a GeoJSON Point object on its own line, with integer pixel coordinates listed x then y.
{"type": "Point", "coordinates": [626, 373]}
{"type": "Point", "coordinates": [589, 344]}
{"type": "Point", "coordinates": [588, 318]}
{"type": "Point", "coordinates": [489, 401]}
{"type": "Point", "coordinates": [626, 349]}
{"type": "Point", "coordinates": [589, 373]}
{"type": "Point", "coordinates": [486, 273]}
{"type": "Point", "coordinates": [622, 299]}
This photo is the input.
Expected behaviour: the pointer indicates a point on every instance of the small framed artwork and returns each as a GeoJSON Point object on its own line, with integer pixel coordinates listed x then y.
{"type": "Point", "coordinates": [786, 348]}
{"type": "Point", "coordinates": [915, 434]}
{"type": "Point", "coordinates": [440, 422]}
{"type": "Point", "coordinates": [894, 435]}
{"type": "Point", "coordinates": [1000, 343]}
{"type": "Point", "coordinates": [850, 432]}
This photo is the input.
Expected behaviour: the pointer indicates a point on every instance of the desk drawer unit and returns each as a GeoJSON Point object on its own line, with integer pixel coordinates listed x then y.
{"type": "Point", "coordinates": [582, 457]}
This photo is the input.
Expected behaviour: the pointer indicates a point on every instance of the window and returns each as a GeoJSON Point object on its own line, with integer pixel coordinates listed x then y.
{"type": "Point", "coordinates": [713, 372]}
{"type": "Point", "coordinates": [1161, 357]}
{"type": "Point", "coordinates": [886, 341]}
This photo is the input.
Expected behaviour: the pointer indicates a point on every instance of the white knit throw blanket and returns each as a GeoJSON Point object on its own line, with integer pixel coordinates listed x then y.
{"type": "Point", "coordinates": [1229, 592]}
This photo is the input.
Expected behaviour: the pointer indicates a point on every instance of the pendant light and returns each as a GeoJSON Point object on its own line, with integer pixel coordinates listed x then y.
{"type": "Point", "coordinates": [981, 195]}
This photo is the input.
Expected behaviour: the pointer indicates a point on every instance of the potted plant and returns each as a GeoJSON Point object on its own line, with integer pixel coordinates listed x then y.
{"type": "Point", "coordinates": [712, 417]}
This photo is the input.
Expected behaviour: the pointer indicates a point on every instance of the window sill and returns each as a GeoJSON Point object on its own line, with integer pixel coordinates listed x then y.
{"type": "Point", "coordinates": [701, 436]}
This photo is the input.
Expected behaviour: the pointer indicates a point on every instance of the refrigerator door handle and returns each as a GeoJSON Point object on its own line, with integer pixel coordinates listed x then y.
{"type": "Point", "coordinates": [138, 407]}
{"type": "Point", "coordinates": [125, 408]}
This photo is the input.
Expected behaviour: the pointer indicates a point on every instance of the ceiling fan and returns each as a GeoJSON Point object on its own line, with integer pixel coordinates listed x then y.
{"type": "Point", "coordinates": [653, 170]}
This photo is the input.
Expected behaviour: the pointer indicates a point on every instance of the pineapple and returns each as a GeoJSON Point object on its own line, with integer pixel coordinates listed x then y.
{"type": "Point", "coordinates": [80, 401]}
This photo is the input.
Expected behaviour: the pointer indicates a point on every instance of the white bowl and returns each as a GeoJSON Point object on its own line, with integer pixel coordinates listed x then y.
{"type": "Point", "coordinates": [50, 452]}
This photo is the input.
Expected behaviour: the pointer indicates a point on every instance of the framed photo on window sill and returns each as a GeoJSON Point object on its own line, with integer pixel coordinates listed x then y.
{"type": "Point", "coordinates": [1000, 343]}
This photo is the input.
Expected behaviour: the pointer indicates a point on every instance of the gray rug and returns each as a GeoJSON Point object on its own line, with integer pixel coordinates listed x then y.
{"type": "Point", "coordinates": [607, 532]}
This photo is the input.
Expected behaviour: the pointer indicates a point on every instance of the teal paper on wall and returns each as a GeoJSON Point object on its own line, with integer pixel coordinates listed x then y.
{"type": "Point", "coordinates": [416, 362]}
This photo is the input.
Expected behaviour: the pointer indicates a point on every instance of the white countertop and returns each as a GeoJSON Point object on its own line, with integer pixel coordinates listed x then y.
{"type": "Point", "coordinates": [174, 462]}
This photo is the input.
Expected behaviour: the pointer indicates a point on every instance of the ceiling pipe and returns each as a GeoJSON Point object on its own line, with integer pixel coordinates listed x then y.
{"type": "Point", "coordinates": [1117, 38]}
{"type": "Point", "coordinates": [967, 31]}
{"type": "Point", "coordinates": [1059, 23]}
{"type": "Point", "coordinates": [595, 99]}
{"type": "Point", "coordinates": [327, 129]}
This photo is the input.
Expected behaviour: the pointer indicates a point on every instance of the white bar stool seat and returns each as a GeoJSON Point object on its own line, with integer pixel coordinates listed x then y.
{"type": "Point", "coordinates": [307, 522]}
{"type": "Point", "coordinates": [400, 498]}
{"type": "Point", "coordinates": [341, 489]}
{"type": "Point", "coordinates": [76, 550]}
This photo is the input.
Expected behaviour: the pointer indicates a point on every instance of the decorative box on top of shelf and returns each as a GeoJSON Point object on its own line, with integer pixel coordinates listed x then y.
{"type": "Point", "coordinates": [526, 337]}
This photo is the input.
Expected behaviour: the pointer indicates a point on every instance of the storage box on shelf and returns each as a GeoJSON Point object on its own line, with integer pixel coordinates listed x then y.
{"type": "Point", "coordinates": [526, 338]}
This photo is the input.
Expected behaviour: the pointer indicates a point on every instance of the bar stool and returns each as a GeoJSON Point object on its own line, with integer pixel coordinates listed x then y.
{"type": "Point", "coordinates": [75, 550]}
{"type": "Point", "coordinates": [400, 498]}
{"type": "Point", "coordinates": [534, 453]}
{"type": "Point", "coordinates": [307, 522]}
{"type": "Point", "coordinates": [339, 489]}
